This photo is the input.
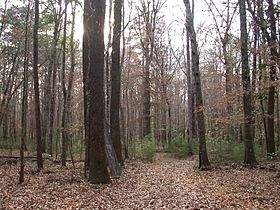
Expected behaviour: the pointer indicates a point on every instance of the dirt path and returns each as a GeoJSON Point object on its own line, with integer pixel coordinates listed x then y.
{"type": "Point", "coordinates": [165, 184]}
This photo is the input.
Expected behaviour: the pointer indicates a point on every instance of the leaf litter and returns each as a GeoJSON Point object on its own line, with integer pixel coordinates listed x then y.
{"type": "Point", "coordinates": [167, 183]}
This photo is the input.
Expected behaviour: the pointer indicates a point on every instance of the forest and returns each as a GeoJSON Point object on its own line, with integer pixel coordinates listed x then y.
{"type": "Point", "coordinates": [139, 104]}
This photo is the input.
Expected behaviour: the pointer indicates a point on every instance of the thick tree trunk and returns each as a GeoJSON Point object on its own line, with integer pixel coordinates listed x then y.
{"type": "Point", "coordinates": [204, 163]}
{"type": "Point", "coordinates": [116, 82]}
{"type": "Point", "coordinates": [98, 173]}
{"type": "Point", "coordinates": [247, 97]}
{"type": "Point", "coordinates": [270, 144]}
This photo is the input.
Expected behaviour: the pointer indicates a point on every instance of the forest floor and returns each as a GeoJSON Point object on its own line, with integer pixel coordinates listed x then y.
{"type": "Point", "coordinates": [167, 183]}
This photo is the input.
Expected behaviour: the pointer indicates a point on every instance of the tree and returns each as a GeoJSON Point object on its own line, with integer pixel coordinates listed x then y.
{"type": "Point", "coordinates": [67, 91]}
{"type": "Point", "coordinates": [11, 57]}
{"type": "Point", "coordinates": [274, 59]}
{"type": "Point", "coordinates": [223, 28]}
{"type": "Point", "coordinates": [191, 113]}
{"type": "Point", "coordinates": [85, 82]}
{"type": "Point", "coordinates": [247, 97]}
{"type": "Point", "coordinates": [98, 173]}
{"type": "Point", "coordinates": [36, 88]}
{"type": "Point", "coordinates": [52, 76]}
{"type": "Point", "coordinates": [146, 31]}
{"type": "Point", "coordinates": [116, 82]}
{"type": "Point", "coordinates": [24, 97]}
{"type": "Point", "coordinates": [65, 137]}
{"type": "Point", "coordinates": [268, 28]}
{"type": "Point", "coordinates": [204, 163]}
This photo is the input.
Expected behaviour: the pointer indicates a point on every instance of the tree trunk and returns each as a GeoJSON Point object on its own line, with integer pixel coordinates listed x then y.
{"type": "Point", "coordinates": [67, 93]}
{"type": "Point", "coordinates": [270, 144]}
{"type": "Point", "coordinates": [164, 110]}
{"type": "Point", "coordinates": [204, 163]}
{"type": "Point", "coordinates": [271, 39]}
{"type": "Point", "coordinates": [36, 88]}
{"type": "Point", "coordinates": [98, 173]}
{"type": "Point", "coordinates": [147, 40]}
{"type": "Point", "coordinates": [85, 83]}
{"type": "Point", "coordinates": [24, 97]}
{"type": "Point", "coordinates": [53, 65]}
{"type": "Point", "coordinates": [247, 97]}
{"type": "Point", "coordinates": [70, 83]}
{"type": "Point", "coordinates": [108, 75]}
{"type": "Point", "coordinates": [191, 113]}
{"type": "Point", "coordinates": [111, 155]}
{"type": "Point", "coordinates": [65, 139]}
{"type": "Point", "coordinates": [116, 82]}
{"type": "Point", "coordinates": [146, 98]}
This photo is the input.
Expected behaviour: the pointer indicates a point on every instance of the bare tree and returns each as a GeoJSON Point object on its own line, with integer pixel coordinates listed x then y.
{"type": "Point", "coordinates": [57, 10]}
{"type": "Point", "coordinates": [24, 97]}
{"type": "Point", "coordinates": [116, 82]}
{"type": "Point", "coordinates": [224, 30]}
{"type": "Point", "coordinates": [85, 82]}
{"type": "Point", "coordinates": [204, 163]}
{"type": "Point", "coordinates": [149, 13]}
{"type": "Point", "coordinates": [247, 97]}
{"type": "Point", "coordinates": [65, 137]}
{"type": "Point", "coordinates": [270, 36]}
{"type": "Point", "coordinates": [36, 88]}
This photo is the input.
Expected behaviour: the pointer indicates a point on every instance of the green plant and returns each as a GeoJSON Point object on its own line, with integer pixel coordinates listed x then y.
{"type": "Point", "coordinates": [146, 149]}
{"type": "Point", "coordinates": [10, 144]}
{"type": "Point", "coordinates": [182, 148]}
{"type": "Point", "coordinates": [224, 151]}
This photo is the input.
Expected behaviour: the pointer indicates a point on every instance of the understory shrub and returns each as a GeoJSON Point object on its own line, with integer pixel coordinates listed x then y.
{"type": "Point", "coordinates": [10, 144]}
{"type": "Point", "coordinates": [181, 148]}
{"type": "Point", "coordinates": [223, 151]}
{"type": "Point", "coordinates": [146, 149]}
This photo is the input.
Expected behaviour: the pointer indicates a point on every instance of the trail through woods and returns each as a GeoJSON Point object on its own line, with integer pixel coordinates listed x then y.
{"type": "Point", "coordinates": [165, 184]}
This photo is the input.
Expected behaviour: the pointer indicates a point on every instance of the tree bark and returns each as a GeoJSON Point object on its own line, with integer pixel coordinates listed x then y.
{"type": "Point", "coordinates": [53, 65]}
{"type": "Point", "coordinates": [191, 113]}
{"type": "Point", "coordinates": [270, 144]}
{"type": "Point", "coordinates": [147, 39]}
{"type": "Point", "coordinates": [247, 97]}
{"type": "Point", "coordinates": [85, 82]}
{"type": "Point", "coordinates": [271, 39]}
{"type": "Point", "coordinates": [24, 97]}
{"type": "Point", "coordinates": [204, 163]}
{"type": "Point", "coordinates": [36, 88]}
{"type": "Point", "coordinates": [108, 85]}
{"type": "Point", "coordinates": [98, 173]}
{"type": "Point", "coordinates": [65, 139]}
{"type": "Point", "coordinates": [116, 82]}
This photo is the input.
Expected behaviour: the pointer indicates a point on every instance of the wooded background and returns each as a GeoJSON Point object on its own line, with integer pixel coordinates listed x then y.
{"type": "Point", "coordinates": [208, 85]}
